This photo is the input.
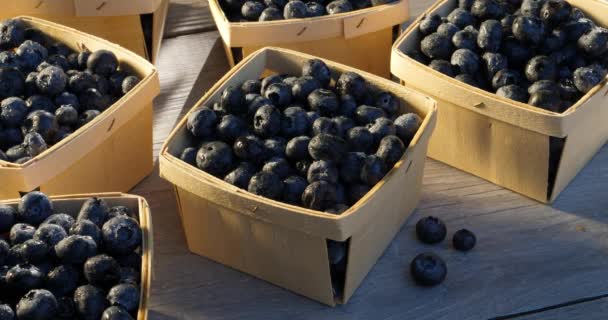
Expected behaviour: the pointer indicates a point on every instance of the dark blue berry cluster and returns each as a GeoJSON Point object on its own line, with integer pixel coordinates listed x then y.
{"type": "Point", "coordinates": [48, 91]}
{"type": "Point", "coordinates": [307, 140]}
{"type": "Point", "coordinates": [542, 52]}
{"type": "Point", "coordinates": [54, 266]}
{"type": "Point", "coordinates": [269, 10]}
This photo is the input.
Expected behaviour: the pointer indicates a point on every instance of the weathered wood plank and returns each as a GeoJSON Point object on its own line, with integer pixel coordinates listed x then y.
{"type": "Point", "coordinates": [591, 310]}
{"type": "Point", "coordinates": [188, 17]}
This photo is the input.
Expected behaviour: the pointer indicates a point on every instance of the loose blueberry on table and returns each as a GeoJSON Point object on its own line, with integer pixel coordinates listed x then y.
{"type": "Point", "coordinates": [269, 10]}
{"type": "Point", "coordinates": [510, 47]}
{"type": "Point", "coordinates": [48, 91]}
{"type": "Point", "coordinates": [306, 140]}
{"type": "Point", "coordinates": [54, 266]}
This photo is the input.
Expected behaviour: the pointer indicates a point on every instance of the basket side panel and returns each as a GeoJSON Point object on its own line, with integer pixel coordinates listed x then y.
{"type": "Point", "coordinates": [369, 52]}
{"type": "Point", "coordinates": [504, 154]}
{"type": "Point", "coordinates": [117, 164]}
{"type": "Point", "coordinates": [284, 257]}
{"type": "Point", "coordinates": [584, 142]}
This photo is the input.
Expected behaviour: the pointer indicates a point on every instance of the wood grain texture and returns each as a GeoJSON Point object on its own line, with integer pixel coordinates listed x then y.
{"type": "Point", "coordinates": [188, 17]}
{"type": "Point", "coordinates": [529, 256]}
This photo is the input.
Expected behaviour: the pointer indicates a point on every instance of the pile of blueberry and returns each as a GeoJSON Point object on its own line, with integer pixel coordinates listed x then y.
{"type": "Point", "coordinates": [53, 266]}
{"type": "Point", "coordinates": [48, 91]}
{"type": "Point", "coordinates": [269, 10]}
{"type": "Point", "coordinates": [305, 140]}
{"type": "Point", "coordinates": [428, 269]}
{"type": "Point", "coordinates": [541, 52]}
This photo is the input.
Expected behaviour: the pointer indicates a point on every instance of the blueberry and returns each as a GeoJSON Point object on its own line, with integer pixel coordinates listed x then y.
{"type": "Point", "coordinates": [324, 101]}
{"type": "Point", "coordinates": [448, 30]}
{"type": "Point", "coordinates": [13, 112]}
{"type": "Point", "coordinates": [506, 77]}
{"type": "Point", "coordinates": [391, 150]}
{"type": "Point", "coordinates": [294, 122]}
{"type": "Point", "coordinates": [468, 79]}
{"type": "Point", "coordinates": [24, 277]}
{"type": "Point", "coordinates": [351, 83]}
{"type": "Point", "coordinates": [62, 280]}
{"type": "Point", "coordinates": [554, 41]}
{"type": "Point", "coordinates": [34, 208]}
{"type": "Point", "coordinates": [529, 30]}
{"type": "Point", "coordinates": [547, 100]}
{"type": "Point", "coordinates": [461, 18]}
{"type": "Point", "coordinates": [88, 116]}
{"type": "Point", "coordinates": [339, 6]}
{"type": "Point", "coordinates": [58, 48]}
{"type": "Point", "coordinates": [267, 121]}
{"type": "Point", "coordinates": [115, 313]}
{"type": "Point", "coordinates": [31, 54]}
{"type": "Point", "coordinates": [587, 78]}
{"type": "Point", "coordinates": [271, 14]}
{"type": "Point", "coordinates": [428, 269]}
{"type": "Point", "coordinates": [16, 152]}
{"type": "Point", "coordinates": [267, 185]}
{"type": "Point", "coordinates": [429, 24]}
{"type": "Point", "coordinates": [380, 128]}
{"type": "Point", "coordinates": [507, 24]}
{"type": "Point", "coordinates": [232, 100]}
{"type": "Point", "coordinates": [490, 36]}
{"type": "Point", "coordinates": [94, 99]}
{"type": "Point", "coordinates": [86, 227]}
{"type": "Point", "coordinates": [90, 302]}
{"type": "Point", "coordinates": [256, 103]}
{"type": "Point", "coordinates": [94, 210]}
{"type": "Point", "coordinates": [81, 81]}
{"type": "Point", "coordinates": [294, 186]}
{"type": "Point", "coordinates": [50, 234]}
{"type": "Point", "coordinates": [67, 115]}
{"type": "Point", "coordinates": [443, 66]}
{"type": "Point", "coordinates": [252, 10]}
{"type": "Point", "coordinates": [37, 304]}
{"type": "Point", "coordinates": [102, 62]}
{"type": "Point", "coordinates": [58, 61]}
{"type": "Point", "coordinates": [12, 82]}
{"type": "Point", "coordinates": [21, 232]}
{"type": "Point", "coordinates": [418, 55]}
{"type": "Point", "coordinates": [32, 251]}
{"type": "Point", "coordinates": [315, 9]}
{"type": "Point", "coordinates": [202, 122]}
{"type": "Point", "coordinates": [464, 39]}
{"type": "Point", "coordinates": [356, 191]}
{"type": "Point", "coordinates": [465, 60]}
{"type": "Point", "coordinates": [278, 93]}
{"type": "Point", "coordinates": [6, 312]}
{"type": "Point", "coordinates": [327, 147]}
{"type": "Point", "coordinates": [465, 4]}
{"type": "Point", "coordinates": [295, 9]}
{"type": "Point", "coordinates": [121, 235]}
{"type": "Point", "coordinates": [343, 125]}
{"type": "Point", "coordinates": [120, 211]}
{"type": "Point", "coordinates": [531, 8]}
{"type": "Point", "coordinates": [9, 59]}
{"type": "Point", "coordinates": [125, 296]}
{"type": "Point", "coordinates": [129, 275]}
{"type": "Point", "coordinates": [303, 86]}
{"type": "Point", "coordinates": [388, 102]}
{"type": "Point", "coordinates": [275, 147]}
{"type": "Point", "coordinates": [577, 28]}
{"type": "Point", "coordinates": [128, 83]}
{"type": "Point", "coordinates": [76, 249]}
{"type": "Point", "coordinates": [517, 53]}
{"type": "Point", "coordinates": [436, 46]}
{"type": "Point", "coordinates": [366, 114]}
{"type": "Point", "coordinates": [594, 42]}
{"type": "Point", "coordinates": [541, 68]}
{"type": "Point", "coordinates": [231, 127]}
{"type": "Point", "coordinates": [322, 170]}
{"type": "Point", "coordinates": [324, 125]}
{"type": "Point", "coordinates": [66, 98]}
{"type": "Point", "coordinates": [12, 33]}
{"type": "Point", "coordinates": [319, 195]}
{"type": "Point", "coordinates": [464, 240]}
{"type": "Point", "coordinates": [317, 69]}
{"type": "Point", "coordinates": [249, 148]}
{"type": "Point", "coordinates": [251, 86]}
{"type": "Point", "coordinates": [430, 230]}
{"type": "Point", "coordinates": [241, 176]}
{"type": "Point", "coordinates": [542, 85]}
{"type": "Point", "coordinates": [406, 126]}
{"type": "Point", "coordinates": [373, 170]}
{"type": "Point", "coordinates": [350, 167]}
{"type": "Point", "coordinates": [297, 148]}
{"type": "Point", "coordinates": [277, 165]}
{"type": "Point", "coordinates": [513, 92]}
{"type": "Point", "coordinates": [8, 216]}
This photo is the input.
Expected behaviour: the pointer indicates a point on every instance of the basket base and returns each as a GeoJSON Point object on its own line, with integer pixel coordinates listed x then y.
{"type": "Point", "coordinates": [369, 52]}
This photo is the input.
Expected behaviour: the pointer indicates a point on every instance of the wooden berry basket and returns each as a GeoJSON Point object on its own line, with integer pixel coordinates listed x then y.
{"type": "Point", "coordinates": [71, 204]}
{"type": "Point", "coordinates": [118, 21]}
{"type": "Point", "coordinates": [361, 39]}
{"type": "Point", "coordinates": [285, 244]}
{"type": "Point", "coordinates": [500, 140]}
{"type": "Point", "coordinates": [111, 153]}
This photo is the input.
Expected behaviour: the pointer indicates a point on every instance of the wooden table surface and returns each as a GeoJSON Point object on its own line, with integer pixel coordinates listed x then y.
{"type": "Point", "coordinates": [532, 261]}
